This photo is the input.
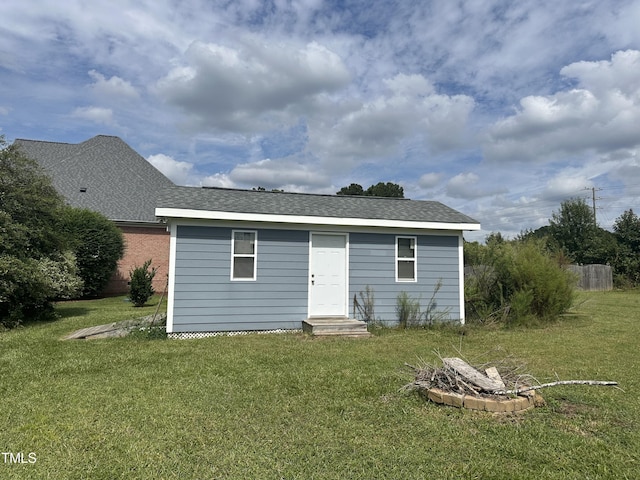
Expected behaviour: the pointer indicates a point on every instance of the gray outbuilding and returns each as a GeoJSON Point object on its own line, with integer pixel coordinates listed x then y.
{"type": "Point", "coordinates": [249, 260]}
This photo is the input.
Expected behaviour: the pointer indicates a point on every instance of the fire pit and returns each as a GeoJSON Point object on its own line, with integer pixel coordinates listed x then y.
{"type": "Point", "coordinates": [502, 388]}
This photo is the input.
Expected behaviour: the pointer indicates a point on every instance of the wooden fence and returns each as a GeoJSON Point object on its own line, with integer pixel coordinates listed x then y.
{"type": "Point", "coordinates": [590, 277]}
{"type": "Point", "coordinates": [593, 277]}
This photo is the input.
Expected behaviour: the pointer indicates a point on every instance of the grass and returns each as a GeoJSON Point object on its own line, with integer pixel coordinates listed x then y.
{"type": "Point", "coordinates": [290, 406]}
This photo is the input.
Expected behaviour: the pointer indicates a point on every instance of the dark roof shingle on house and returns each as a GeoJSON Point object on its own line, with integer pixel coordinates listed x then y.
{"type": "Point", "coordinates": [103, 174]}
{"type": "Point", "coordinates": [313, 205]}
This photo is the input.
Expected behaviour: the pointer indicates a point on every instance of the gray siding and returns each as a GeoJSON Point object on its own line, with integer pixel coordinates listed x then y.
{"type": "Point", "coordinates": [372, 262]}
{"type": "Point", "coordinates": [205, 299]}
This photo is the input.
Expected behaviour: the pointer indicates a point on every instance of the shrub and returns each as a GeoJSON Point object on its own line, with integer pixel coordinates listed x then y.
{"type": "Point", "coordinates": [141, 285]}
{"type": "Point", "coordinates": [98, 245]}
{"type": "Point", "coordinates": [518, 282]}
{"type": "Point", "coordinates": [27, 286]}
{"type": "Point", "coordinates": [61, 275]}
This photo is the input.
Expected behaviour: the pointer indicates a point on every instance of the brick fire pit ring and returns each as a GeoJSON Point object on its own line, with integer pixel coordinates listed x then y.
{"type": "Point", "coordinates": [495, 404]}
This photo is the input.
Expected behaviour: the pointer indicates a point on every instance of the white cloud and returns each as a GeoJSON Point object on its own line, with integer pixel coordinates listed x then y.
{"type": "Point", "coordinates": [285, 174]}
{"type": "Point", "coordinates": [602, 114]}
{"type": "Point", "coordinates": [254, 87]}
{"type": "Point", "coordinates": [178, 172]}
{"type": "Point", "coordinates": [604, 77]}
{"type": "Point", "coordinates": [462, 185]}
{"type": "Point", "coordinates": [114, 87]}
{"type": "Point", "coordinates": [379, 91]}
{"type": "Point", "coordinates": [566, 185]}
{"type": "Point", "coordinates": [100, 115]}
{"type": "Point", "coordinates": [377, 128]}
{"type": "Point", "coordinates": [430, 180]}
{"type": "Point", "coordinates": [219, 180]}
{"type": "Point", "coordinates": [465, 185]}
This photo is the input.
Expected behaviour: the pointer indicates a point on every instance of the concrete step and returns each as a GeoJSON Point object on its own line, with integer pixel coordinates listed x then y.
{"type": "Point", "coordinates": [335, 326]}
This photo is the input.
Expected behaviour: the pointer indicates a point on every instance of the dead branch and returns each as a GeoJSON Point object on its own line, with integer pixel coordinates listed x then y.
{"type": "Point", "coordinates": [458, 376]}
{"type": "Point", "coordinates": [517, 391]}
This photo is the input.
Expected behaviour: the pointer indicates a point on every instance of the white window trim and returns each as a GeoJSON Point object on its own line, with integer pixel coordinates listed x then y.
{"type": "Point", "coordinates": [244, 255]}
{"type": "Point", "coordinates": [414, 259]}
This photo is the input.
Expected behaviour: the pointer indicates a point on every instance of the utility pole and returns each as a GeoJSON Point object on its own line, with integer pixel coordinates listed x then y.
{"type": "Point", "coordinates": [593, 196]}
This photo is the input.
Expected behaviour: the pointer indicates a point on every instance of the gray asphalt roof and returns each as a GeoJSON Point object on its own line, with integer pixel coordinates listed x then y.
{"type": "Point", "coordinates": [302, 204]}
{"type": "Point", "coordinates": [117, 181]}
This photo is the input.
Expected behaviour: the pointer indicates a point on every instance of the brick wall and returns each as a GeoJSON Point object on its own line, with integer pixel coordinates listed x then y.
{"type": "Point", "coordinates": [141, 244]}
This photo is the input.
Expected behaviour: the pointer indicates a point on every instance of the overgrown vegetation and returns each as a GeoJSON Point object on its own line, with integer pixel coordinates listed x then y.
{"type": "Point", "coordinates": [141, 284]}
{"type": "Point", "coordinates": [288, 406]}
{"type": "Point", "coordinates": [410, 312]}
{"type": "Point", "coordinates": [524, 280]}
{"type": "Point", "coordinates": [516, 283]}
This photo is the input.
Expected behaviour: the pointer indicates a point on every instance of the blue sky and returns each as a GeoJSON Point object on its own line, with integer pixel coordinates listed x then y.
{"type": "Point", "coordinates": [501, 109]}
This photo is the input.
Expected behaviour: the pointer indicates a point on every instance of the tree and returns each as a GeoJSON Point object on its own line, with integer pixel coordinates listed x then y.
{"type": "Point", "coordinates": [380, 189]}
{"type": "Point", "coordinates": [97, 243]}
{"type": "Point", "coordinates": [627, 230]}
{"type": "Point", "coordinates": [30, 205]}
{"type": "Point", "coordinates": [574, 228]}
{"type": "Point", "coordinates": [627, 263]}
{"type": "Point", "coordinates": [35, 264]}
{"type": "Point", "coordinates": [388, 189]}
{"type": "Point", "coordinates": [353, 189]}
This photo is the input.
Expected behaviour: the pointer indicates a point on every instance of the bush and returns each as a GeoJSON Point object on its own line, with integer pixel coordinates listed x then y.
{"type": "Point", "coordinates": [98, 245]}
{"type": "Point", "coordinates": [61, 275]}
{"type": "Point", "coordinates": [519, 282]}
{"type": "Point", "coordinates": [141, 285]}
{"type": "Point", "coordinates": [27, 286]}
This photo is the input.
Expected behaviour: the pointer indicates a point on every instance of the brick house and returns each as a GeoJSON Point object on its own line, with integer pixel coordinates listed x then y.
{"type": "Point", "coordinates": [106, 175]}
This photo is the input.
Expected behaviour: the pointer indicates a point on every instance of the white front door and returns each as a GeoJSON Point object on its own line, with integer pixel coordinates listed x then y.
{"type": "Point", "coordinates": [328, 275]}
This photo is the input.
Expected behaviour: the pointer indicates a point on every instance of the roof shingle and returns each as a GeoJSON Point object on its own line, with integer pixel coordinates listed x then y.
{"type": "Point", "coordinates": [314, 205]}
{"type": "Point", "coordinates": [103, 174]}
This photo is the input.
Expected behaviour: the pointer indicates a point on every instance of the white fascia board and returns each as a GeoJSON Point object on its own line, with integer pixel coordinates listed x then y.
{"type": "Point", "coordinates": [310, 220]}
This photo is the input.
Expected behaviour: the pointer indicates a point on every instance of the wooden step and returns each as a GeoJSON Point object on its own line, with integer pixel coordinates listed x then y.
{"type": "Point", "coordinates": [335, 326]}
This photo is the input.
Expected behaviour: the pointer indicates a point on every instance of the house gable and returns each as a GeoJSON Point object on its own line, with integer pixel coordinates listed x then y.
{"type": "Point", "coordinates": [105, 175]}
{"type": "Point", "coordinates": [102, 174]}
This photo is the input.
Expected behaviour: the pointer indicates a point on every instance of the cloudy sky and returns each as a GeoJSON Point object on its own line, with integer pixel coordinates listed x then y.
{"type": "Point", "coordinates": [498, 108]}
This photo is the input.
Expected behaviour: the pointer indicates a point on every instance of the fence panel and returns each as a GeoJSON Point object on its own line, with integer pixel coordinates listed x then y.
{"type": "Point", "coordinates": [593, 277]}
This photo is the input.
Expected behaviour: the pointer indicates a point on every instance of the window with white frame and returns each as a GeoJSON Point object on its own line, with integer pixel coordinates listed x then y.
{"type": "Point", "coordinates": [406, 259]}
{"type": "Point", "coordinates": [243, 255]}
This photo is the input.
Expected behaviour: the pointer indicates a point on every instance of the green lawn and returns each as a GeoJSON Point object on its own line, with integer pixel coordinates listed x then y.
{"type": "Point", "coordinates": [290, 406]}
